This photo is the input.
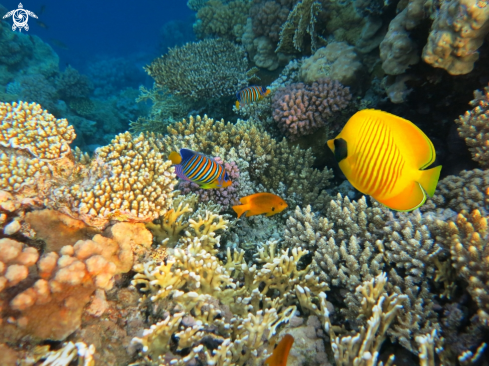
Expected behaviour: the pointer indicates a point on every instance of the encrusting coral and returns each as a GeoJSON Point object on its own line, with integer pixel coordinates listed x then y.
{"type": "Point", "coordinates": [473, 126]}
{"type": "Point", "coordinates": [207, 69]}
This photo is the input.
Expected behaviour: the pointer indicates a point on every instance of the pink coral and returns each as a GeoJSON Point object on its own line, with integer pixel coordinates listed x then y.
{"type": "Point", "coordinates": [300, 109]}
{"type": "Point", "coordinates": [226, 197]}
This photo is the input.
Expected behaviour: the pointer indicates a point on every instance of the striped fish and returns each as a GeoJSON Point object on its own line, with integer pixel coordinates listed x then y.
{"type": "Point", "coordinates": [384, 156]}
{"type": "Point", "coordinates": [251, 94]}
{"type": "Point", "coordinates": [200, 169]}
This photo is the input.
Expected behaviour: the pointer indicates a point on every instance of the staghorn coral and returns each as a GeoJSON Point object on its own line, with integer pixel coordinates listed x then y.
{"type": "Point", "coordinates": [473, 126]}
{"type": "Point", "coordinates": [456, 34]}
{"type": "Point", "coordinates": [244, 305]}
{"type": "Point", "coordinates": [268, 162]}
{"type": "Point", "coordinates": [301, 20]}
{"type": "Point", "coordinates": [301, 109]}
{"type": "Point", "coordinates": [207, 69]}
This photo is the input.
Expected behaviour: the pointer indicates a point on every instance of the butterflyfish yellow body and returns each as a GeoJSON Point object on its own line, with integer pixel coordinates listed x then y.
{"type": "Point", "coordinates": [384, 156]}
{"type": "Point", "coordinates": [281, 352]}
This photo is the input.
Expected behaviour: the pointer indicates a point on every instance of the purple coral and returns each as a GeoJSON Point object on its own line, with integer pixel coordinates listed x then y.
{"type": "Point", "coordinates": [226, 197]}
{"type": "Point", "coordinates": [300, 109]}
{"type": "Point", "coordinates": [268, 16]}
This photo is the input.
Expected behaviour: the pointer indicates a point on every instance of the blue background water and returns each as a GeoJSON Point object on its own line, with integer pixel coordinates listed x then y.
{"type": "Point", "coordinates": [108, 28]}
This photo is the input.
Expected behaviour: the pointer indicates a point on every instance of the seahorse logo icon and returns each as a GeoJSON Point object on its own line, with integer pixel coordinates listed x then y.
{"type": "Point", "coordinates": [20, 17]}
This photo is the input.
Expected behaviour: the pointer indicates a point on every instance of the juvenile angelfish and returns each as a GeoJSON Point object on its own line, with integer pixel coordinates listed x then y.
{"type": "Point", "coordinates": [281, 352]}
{"type": "Point", "coordinates": [384, 156]}
{"type": "Point", "coordinates": [200, 169]}
{"type": "Point", "coordinates": [260, 203]}
{"type": "Point", "coordinates": [251, 94]}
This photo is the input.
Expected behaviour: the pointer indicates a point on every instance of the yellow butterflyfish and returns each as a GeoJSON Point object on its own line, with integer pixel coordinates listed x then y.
{"type": "Point", "coordinates": [384, 156]}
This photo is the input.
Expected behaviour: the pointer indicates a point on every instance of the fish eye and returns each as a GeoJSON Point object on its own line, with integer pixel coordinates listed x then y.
{"type": "Point", "coordinates": [273, 208]}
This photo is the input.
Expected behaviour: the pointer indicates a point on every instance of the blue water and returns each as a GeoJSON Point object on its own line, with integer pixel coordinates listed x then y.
{"type": "Point", "coordinates": [111, 28]}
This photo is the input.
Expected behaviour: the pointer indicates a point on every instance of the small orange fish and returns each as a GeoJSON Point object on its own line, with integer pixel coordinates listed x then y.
{"type": "Point", "coordinates": [260, 203]}
{"type": "Point", "coordinates": [281, 352]}
{"type": "Point", "coordinates": [385, 156]}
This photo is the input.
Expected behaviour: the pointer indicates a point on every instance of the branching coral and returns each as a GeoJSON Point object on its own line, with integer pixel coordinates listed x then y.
{"type": "Point", "coordinates": [127, 181]}
{"type": "Point", "coordinates": [473, 126]}
{"type": "Point", "coordinates": [207, 69]}
{"type": "Point", "coordinates": [243, 305]}
{"type": "Point", "coordinates": [301, 109]}
{"type": "Point", "coordinates": [466, 191]}
{"type": "Point", "coordinates": [268, 162]}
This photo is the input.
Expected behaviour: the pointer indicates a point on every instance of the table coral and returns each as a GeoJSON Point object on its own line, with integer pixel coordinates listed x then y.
{"type": "Point", "coordinates": [456, 34]}
{"type": "Point", "coordinates": [207, 69]}
{"type": "Point", "coordinates": [473, 126]}
{"type": "Point", "coordinates": [301, 109]}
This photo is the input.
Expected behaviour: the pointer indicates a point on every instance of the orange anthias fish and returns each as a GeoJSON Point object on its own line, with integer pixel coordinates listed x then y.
{"type": "Point", "coordinates": [260, 203]}
{"type": "Point", "coordinates": [384, 155]}
{"type": "Point", "coordinates": [251, 94]}
{"type": "Point", "coordinates": [281, 352]}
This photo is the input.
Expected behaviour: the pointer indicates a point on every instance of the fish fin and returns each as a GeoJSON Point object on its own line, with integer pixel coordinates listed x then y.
{"type": "Point", "coordinates": [187, 154]}
{"type": "Point", "coordinates": [237, 105]}
{"type": "Point", "coordinates": [266, 91]}
{"type": "Point", "coordinates": [271, 213]}
{"type": "Point", "coordinates": [240, 209]}
{"type": "Point", "coordinates": [211, 185]}
{"type": "Point", "coordinates": [281, 352]}
{"type": "Point", "coordinates": [244, 200]}
{"type": "Point", "coordinates": [411, 198]}
{"type": "Point", "coordinates": [429, 180]}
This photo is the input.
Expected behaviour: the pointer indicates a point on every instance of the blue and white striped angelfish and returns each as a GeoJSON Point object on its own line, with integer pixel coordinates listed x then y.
{"type": "Point", "coordinates": [200, 169]}
{"type": "Point", "coordinates": [251, 94]}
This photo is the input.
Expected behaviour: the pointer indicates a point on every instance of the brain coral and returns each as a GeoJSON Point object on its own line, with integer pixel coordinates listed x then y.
{"type": "Point", "coordinates": [300, 109]}
{"type": "Point", "coordinates": [206, 69]}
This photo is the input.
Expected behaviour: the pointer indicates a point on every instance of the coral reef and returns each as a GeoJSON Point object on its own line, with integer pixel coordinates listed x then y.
{"type": "Point", "coordinates": [71, 84]}
{"type": "Point", "coordinates": [473, 126]}
{"type": "Point", "coordinates": [206, 69]}
{"type": "Point", "coordinates": [300, 21]}
{"type": "Point", "coordinates": [260, 158]}
{"type": "Point", "coordinates": [222, 19]}
{"type": "Point", "coordinates": [456, 34]}
{"type": "Point", "coordinates": [301, 109]}
{"type": "Point", "coordinates": [337, 61]}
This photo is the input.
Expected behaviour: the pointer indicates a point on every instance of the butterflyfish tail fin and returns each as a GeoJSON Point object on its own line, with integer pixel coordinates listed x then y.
{"type": "Point", "coordinates": [240, 209]}
{"type": "Point", "coordinates": [175, 158]}
{"type": "Point", "coordinates": [411, 198]}
{"type": "Point", "coordinates": [429, 180]}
